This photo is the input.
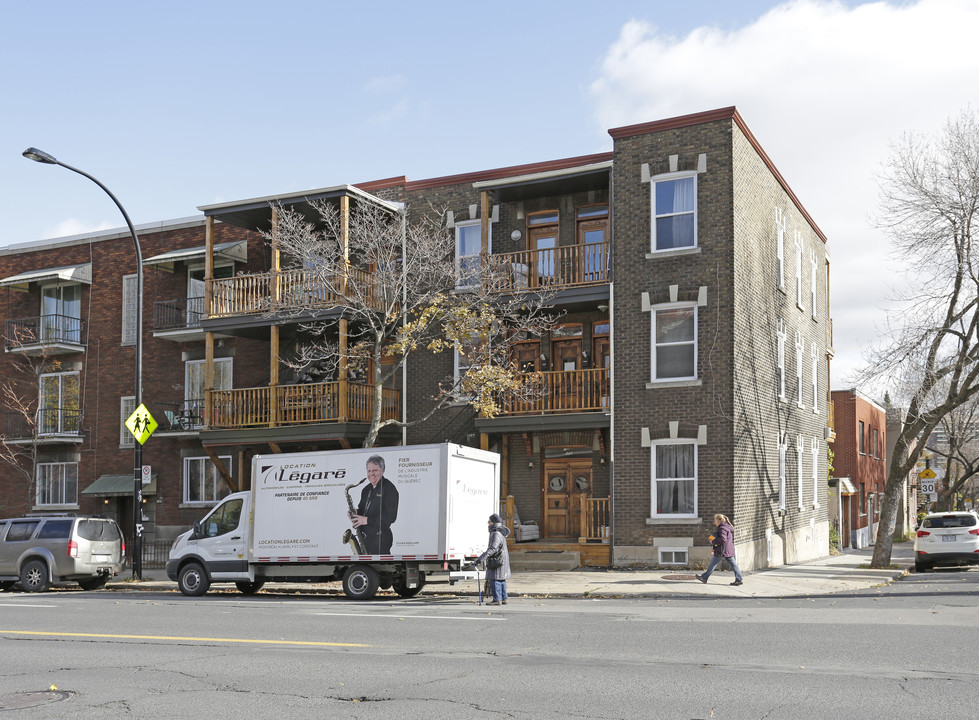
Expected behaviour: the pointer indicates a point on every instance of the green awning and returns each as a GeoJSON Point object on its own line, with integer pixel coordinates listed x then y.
{"type": "Point", "coordinates": [117, 485]}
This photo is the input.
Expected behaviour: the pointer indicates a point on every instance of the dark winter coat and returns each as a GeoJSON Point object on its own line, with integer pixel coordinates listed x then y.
{"type": "Point", "coordinates": [723, 541]}
{"type": "Point", "coordinates": [497, 538]}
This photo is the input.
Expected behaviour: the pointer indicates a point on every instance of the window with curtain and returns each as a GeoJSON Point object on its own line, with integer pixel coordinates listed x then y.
{"type": "Point", "coordinates": [202, 482]}
{"type": "Point", "coordinates": [59, 408]}
{"type": "Point", "coordinates": [674, 352]}
{"type": "Point", "coordinates": [469, 245]}
{"type": "Point", "coordinates": [674, 489]}
{"type": "Point", "coordinates": [674, 213]}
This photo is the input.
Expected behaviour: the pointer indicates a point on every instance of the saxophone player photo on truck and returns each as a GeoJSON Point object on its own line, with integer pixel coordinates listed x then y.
{"type": "Point", "coordinates": [377, 510]}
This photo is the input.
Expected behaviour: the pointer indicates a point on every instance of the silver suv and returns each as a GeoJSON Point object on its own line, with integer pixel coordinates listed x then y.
{"type": "Point", "coordinates": [39, 550]}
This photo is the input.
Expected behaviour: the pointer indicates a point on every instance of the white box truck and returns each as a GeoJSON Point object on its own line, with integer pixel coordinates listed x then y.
{"type": "Point", "coordinates": [372, 518]}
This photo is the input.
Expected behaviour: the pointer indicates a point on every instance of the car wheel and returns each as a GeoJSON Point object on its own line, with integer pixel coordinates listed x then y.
{"type": "Point", "coordinates": [920, 567]}
{"type": "Point", "coordinates": [193, 580]}
{"type": "Point", "coordinates": [249, 588]}
{"type": "Point", "coordinates": [360, 582]}
{"type": "Point", "coordinates": [34, 576]}
{"type": "Point", "coordinates": [96, 583]}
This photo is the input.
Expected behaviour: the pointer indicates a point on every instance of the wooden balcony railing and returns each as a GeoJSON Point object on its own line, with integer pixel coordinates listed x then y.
{"type": "Point", "coordinates": [595, 520]}
{"type": "Point", "coordinates": [559, 391]}
{"type": "Point", "coordinates": [554, 268]}
{"type": "Point", "coordinates": [284, 290]}
{"type": "Point", "coordinates": [298, 405]}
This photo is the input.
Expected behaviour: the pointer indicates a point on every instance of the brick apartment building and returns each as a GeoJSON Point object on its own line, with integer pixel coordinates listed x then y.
{"type": "Point", "coordinates": [859, 466]}
{"type": "Point", "coordinates": [688, 376]}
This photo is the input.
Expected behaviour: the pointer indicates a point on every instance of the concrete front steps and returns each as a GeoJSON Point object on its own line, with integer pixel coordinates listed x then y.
{"type": "Point", "coordinates": [544, 560]}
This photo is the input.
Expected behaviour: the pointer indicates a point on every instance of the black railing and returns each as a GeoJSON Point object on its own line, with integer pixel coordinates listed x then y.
{"type": "Point", "coordinates": [49, 421]}
{"type": "Point", "coordinates": [180, 416]}
{"type": "Point", "coordinates": [178, 314]}
{"type": "Point", "coordinates": [155, 554]}
{"type": "Point", "coordinates": [59, 421]}
{"type": "Point", "coordinates": [43, 330]}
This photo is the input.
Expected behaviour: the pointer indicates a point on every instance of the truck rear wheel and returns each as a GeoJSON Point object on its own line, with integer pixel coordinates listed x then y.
{"type": "Point", "coordinates": [193, 580]}
{"type": "Point", "coordinates": [401, 587]}
{"type": "Point", "coordinates": [249, 588]}
{"type": "Point", "coordinates": [360, 582]}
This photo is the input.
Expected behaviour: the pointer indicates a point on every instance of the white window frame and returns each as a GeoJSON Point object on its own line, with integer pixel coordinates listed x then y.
{"type": "Point", "coordinates": [798, 270]}
{"type": "Point", "coordinates": [127, 405]}
{"type": "Point", "coordinates": [215, 478]}
{"type": "Point", "coordinates": [782, 450]}
{"type": "Point", "coordinates": [815, 378]}
{"type": "Point", "coordinates": [674, 551]}
{"type": "Point", "coordinates": [812, 281]}
{"type": "Point", "coordinates": [45, 468]}
{"type": "Point", "coordinates": [654, 311]}
{"type": "Point", "coordinates": [654, 449]}
{"type": "Point", "coordinates": [780, 248]}
{"type": "Point", "coordinates": [799, 347]}
{"type": "Point", "coordinates": [460, 228]}
{"type": "Point", "coordinates": [780, 362]}
{"type": "Point", "coordinates": [799, 471]}
{"type": "Point", "coordinates": [129, 302]}
{"type": "Point", "coordinates": [670, 177]}
{"type": "Point", "coordinates": [815, 447]}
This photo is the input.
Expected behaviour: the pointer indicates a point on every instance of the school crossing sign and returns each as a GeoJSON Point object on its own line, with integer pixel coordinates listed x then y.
{"type": "Point", "coordinates": [141, 424]}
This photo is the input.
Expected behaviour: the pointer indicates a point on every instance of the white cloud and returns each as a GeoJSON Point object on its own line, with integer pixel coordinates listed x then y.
{"type": "Point", "coordinates": [73, 226]}
{"type": "Point", "coordinates": [825, 88]}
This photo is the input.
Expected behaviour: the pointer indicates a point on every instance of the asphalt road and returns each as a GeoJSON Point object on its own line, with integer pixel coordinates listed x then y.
{"type": "Point", "coordinates": [901, 650]}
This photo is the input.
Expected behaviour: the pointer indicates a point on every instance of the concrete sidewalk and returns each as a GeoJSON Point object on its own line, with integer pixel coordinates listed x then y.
{"type": "Point", "coordinates": [839, 573]}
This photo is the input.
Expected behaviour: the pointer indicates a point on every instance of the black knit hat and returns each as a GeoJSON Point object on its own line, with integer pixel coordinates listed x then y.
{"type": "Point", "coordinates": [496, 519]}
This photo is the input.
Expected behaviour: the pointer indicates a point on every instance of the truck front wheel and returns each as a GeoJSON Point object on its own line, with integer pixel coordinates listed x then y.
{"type": "Point", "coordinates": [360, 582]}
{"type": "Point", "coordinates": [193, 580]}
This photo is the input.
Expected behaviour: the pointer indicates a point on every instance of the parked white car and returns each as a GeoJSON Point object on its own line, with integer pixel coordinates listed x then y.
{"type": "Point", "coordinates": [947, 538]}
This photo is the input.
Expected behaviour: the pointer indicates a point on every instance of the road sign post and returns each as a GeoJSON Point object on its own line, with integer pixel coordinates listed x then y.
{"type": "Point", "coordinates": [141, 424]}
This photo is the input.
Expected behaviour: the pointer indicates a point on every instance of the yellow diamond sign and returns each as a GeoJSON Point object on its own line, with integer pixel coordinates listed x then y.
{"type": "Point", "coordinates": [927, 474]}
{"type": "Point", "coordinates": [141, 424]}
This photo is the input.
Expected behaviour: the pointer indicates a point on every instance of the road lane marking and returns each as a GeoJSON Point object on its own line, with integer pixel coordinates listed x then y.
{"type": "Point", "coordinates": [17, 604]}
{"type": "Point", "coordinates": [253, 641]}
{"type": "Point", "coordinates": [407, 617]}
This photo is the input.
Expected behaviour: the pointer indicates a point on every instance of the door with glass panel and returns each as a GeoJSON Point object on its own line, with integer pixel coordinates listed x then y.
{"type": "Point", "coordinates": [61, 313]}
{"type": "Point", "coordinates": [542, 241]}
{"type": "Point", "coordinates": [59, 411]}
{"type": "Point", "coordinates": [194, 385]}
{"type": "Point", "coordinates": [592, 265]}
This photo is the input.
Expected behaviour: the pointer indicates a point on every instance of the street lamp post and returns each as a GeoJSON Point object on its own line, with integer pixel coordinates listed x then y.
{"type": "Point", "coordinates": [43, 157]}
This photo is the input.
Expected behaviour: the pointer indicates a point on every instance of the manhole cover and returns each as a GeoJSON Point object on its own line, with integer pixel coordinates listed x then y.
{"type": "Point", "coordinates": [31, 699]}
{"type": "Point", "coordinates": [679, 577]}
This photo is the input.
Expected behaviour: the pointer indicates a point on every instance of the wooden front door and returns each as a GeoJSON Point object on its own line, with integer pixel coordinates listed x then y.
{"type": "Point", "coordinates": [565, 483]}
{"type": "Point", "coordinates": [543, 240]}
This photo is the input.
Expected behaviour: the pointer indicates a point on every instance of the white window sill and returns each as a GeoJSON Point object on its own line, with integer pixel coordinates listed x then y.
{"type": "Point", "coordinates": [54, 508]}
{"type": "Point", "coordinates": [657, 384]}
{"type": "Point", "coordinates": [205, 504]}
{"type": "Point", "coordinates": [674, 252]}
{"type": "Point", "coordinates": [674, 520]}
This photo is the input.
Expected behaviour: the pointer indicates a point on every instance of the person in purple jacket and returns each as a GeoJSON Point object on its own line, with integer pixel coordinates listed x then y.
{"type": "Point", "coordinates": [723, 543]}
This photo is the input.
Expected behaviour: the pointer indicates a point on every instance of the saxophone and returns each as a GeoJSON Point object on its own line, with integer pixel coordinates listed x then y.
{"type": "Point", "coordinates": [355, 538]}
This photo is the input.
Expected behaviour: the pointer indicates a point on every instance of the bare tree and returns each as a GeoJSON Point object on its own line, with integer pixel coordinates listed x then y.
{"type": "Point", "coordinates": [930, 197]}
{"type": "Point", "coordinates": [403, 293]}
{"type": "Point", "coordinates": [20, 427]}
{"type": "Point", "coordinates": [960, 450]}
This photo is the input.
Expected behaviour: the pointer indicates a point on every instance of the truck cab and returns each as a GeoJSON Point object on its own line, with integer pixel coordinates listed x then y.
{"type": "Point", "coordinates": [215, 550]}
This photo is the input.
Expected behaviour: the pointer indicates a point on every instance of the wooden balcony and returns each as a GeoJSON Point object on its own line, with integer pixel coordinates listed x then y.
{"type": "Point", "coordinates": [298, 405]}
{"type": "Point", "coordinates": [560, 391]}
{"type": "Point", "coordinates": [281, 291]}
{"type": "Point", "coordinates": [554, 269]}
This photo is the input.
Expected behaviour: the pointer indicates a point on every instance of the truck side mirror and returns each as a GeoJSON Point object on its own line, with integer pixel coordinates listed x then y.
{"type": "Point", "coordinates": [197, 534]}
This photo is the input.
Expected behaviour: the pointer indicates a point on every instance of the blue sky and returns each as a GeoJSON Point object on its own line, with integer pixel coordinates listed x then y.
{"type": "Point", "coordinates": [175, 105]}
